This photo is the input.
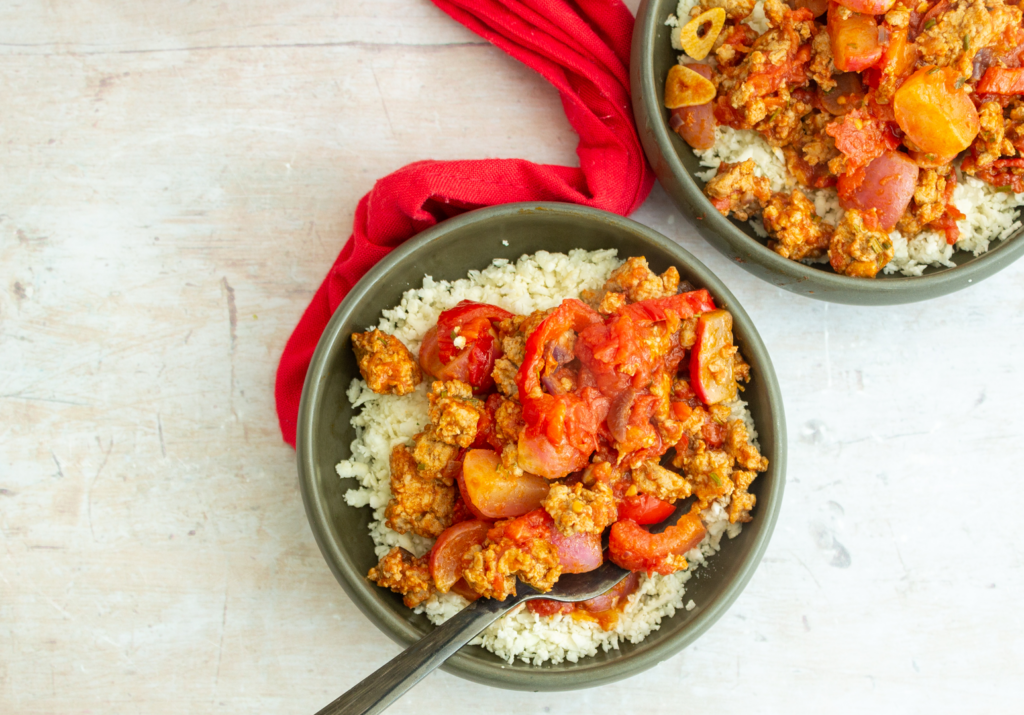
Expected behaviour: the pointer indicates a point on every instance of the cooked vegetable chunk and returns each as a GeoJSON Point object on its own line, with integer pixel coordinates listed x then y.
{"type": "Point", "coordinates": [937, 115]}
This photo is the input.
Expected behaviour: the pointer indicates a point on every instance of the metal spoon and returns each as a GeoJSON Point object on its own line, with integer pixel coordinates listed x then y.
{"type": "Point", "coordinates": [379, 690]}
{"type": "Point", "coordinates": [383, 687]}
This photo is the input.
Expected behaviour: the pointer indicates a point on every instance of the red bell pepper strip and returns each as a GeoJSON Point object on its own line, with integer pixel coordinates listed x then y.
{"type": "Point", "coordinates": [679, 307]}
{"type": "Point", "coordinates": [645, 509]}
{"type": "Point", "coordinates": [1002, 80]}
{"type": "Point", "coordinates": [636, 549]}
{"type": "Point", "coordinates": [572, 314]}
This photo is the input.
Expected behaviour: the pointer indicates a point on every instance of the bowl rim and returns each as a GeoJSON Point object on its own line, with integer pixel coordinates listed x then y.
{"type": "Point", "coordinates": [662, 152]}
{"type": "Point", "coordinates": [519, 677]}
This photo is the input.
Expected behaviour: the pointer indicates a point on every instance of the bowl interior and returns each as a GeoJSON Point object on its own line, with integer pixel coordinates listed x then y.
{"type": "Point", "coordinates": [675, 165]}
{"type": "Point", "coordinates": [449, 251]}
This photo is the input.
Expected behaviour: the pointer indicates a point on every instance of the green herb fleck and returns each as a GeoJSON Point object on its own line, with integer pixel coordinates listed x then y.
{"type": "Point", "coordinates": [718, 479]}
{"type": "Point", "coordinates": [453, 334]}
{"type": "Point", "coordinates": [420, 467]}
{"type": "Point", "coordinates": [930, 24]}
{"type": "Point", "coordinates": [933, 70]}
{"type": "Point", "coordinates": [774, 114]}
{"type": "Point", "coordinates": [967, 42]}
{"type": "Point", "coordinates": [960, 82]}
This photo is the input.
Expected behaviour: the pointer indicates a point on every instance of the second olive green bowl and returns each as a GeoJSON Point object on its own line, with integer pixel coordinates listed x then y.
{"type": "Point", "coordinates": [325, 433]}
{"type": "Point", "coordinates": [675, 165]}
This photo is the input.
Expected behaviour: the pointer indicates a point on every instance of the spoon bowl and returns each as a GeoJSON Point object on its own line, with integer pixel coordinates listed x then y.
{"type": "Point", "coordinates": [384, 686]}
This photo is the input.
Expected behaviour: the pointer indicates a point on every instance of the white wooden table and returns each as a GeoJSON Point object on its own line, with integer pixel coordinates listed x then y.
{"type": "Point", "coordinates": [176, 178]}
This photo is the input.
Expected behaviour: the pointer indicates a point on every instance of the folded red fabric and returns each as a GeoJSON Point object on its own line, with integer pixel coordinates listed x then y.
{"type": "Point", "coordinates": [582, 48]}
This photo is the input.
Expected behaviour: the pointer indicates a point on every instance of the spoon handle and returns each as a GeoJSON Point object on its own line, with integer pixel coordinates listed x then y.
{"type": "Point", "coordinates": [383, 687]}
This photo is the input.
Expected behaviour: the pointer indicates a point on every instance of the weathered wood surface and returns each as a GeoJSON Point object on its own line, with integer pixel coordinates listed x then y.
{"type": "Point", "coordinates": [175, 179]}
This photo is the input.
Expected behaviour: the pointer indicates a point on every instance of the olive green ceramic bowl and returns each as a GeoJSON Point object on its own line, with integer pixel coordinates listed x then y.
{"type": "Point", "coordinates": [674, 164]}
{"type": "Point", "coordinates": [449, 251]}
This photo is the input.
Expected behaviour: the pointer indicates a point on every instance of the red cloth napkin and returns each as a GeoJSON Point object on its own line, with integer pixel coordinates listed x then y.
{"type": "Point", "coordinates": [582, 48]}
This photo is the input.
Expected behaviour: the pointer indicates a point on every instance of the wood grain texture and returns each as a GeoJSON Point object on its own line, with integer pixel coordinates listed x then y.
{"type": "Point", "coordinates": [175, 180]}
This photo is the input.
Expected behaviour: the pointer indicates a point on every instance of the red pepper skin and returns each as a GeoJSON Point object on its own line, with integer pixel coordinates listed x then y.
{"type": "Point", "coordinates": [572, 314]}
{"type": "Point", "coordinates": [1002, 80]}
{"type": "Point", "coordinates": [562, 430]}
{"type": "Point", "coordinates": [645, 509]}
{"type": "Point", "coordinates": [678, 307]}
{"type": "Point", "coordinates": [636, 549]}
{"type": "Point", "coordinates": [472, 320]}
{"type": "Point", "coordinates": [558, 418]}
{"type": "Point", "coordinates": [473, 363]}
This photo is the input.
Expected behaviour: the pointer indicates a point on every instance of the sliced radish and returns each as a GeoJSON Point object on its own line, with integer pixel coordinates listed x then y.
{"type": "Point", "coordinates": [446, 564]}
{"type": "Point", "coordinates": [495, 492]}
{"type": "Point", "coordinates": [711, 362]}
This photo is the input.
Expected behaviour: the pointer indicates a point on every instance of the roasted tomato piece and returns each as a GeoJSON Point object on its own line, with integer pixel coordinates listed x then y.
{"type": "Point", "coordinates": [947, 224]}
{"type": "Point", "coordinates": [645, 509]}
{"type": "Point", "coordinates": [861, 138]}
{"type": "Point", "coordinates": [469, 320]}
{"type": "Point", "coordinates": [446, 565]}
{"type": "Point", "coordinates": [573, 315]}
{"type": "Point", "coordinates": [561, 429]}
{"type": "Point", "coordinates": [430, 360]}
{"type": "Point", "coordinates": [854, 36]}
{"type": "Point", "coordinates": [937, 116]}
{"type": "Point", "coordinates": [888, 185]}
{"type": "Point", "coordinates": [613, 354]}
{"type": "Point", "coordinates": [711, 359]}
{"type": "Point", "coordinates": [464, 345]}
{"type": "Point", "coordinates": [636, 549]}
{"type": "Point", "coordinates": [462, 511]}
{"type": "Point", "coordinates": [495, 492]}
{"type": "Point", "coordinates": [467, 366]}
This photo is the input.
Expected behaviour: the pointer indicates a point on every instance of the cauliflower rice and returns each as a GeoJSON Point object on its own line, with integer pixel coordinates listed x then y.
{"type": "Point", "coordinates": [990, 211]}
{"type": "Point", "coordinates": [536, 282]}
